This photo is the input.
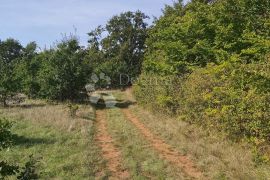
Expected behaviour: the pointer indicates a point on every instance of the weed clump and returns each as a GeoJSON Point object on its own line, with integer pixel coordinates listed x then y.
{"type": "Point", "coordinates": [73, 108]}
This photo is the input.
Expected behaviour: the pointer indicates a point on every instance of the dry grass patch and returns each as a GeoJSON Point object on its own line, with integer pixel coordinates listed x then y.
{"type": "Point", "coordinates": [57, 115]}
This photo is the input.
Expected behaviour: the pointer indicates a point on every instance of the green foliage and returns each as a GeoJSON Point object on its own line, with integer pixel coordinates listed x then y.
{"type": "Point", "coordinates": [73, 108]}
{"type": "Point", "coordinates": [232, 97]}
{"type": "Point", "coordinates": [121, 50]}
{"type": "Point", "coordinates": [64, 72]}
{"type": "Point", "coordinates": [27, 70]}
{"type": "Point", "coordinates": [157, 92]}
{"type": "Point", "coordinates": [29, 170]}
{"type": "Point", "coordinates": [58, 74]}
{"type": "Point", "coordinates": [6, 169]}
{"type": "Point", "coordinates": [5, 133]}
{"type": "Point", "coordinates": [260, 157]}
{"type": "Point", "coordinates": [201, 32]}
{"type": "Point", "coordinates": [6, 139]}
{"type": "Point", "coordinates": [10, 54]}
{"type": "Point", "coordinates": [215, 52]}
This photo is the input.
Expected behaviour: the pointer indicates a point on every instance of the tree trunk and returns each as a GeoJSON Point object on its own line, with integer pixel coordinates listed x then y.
{"type": "Point", "coordinates": [4, 101]}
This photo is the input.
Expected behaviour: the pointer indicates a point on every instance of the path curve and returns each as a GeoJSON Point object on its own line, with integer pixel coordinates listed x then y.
{"type": "Point", "coordinates": [109, 151]}
{"type": "Point", "coordinates": [166, 151]}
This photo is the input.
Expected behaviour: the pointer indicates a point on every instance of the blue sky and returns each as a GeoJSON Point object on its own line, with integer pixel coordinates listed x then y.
{"type": "Point", "coordinates": [44, 21]}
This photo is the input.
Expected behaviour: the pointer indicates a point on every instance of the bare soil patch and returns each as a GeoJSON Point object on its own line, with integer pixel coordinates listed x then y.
{"type": "Point", "coordinates": [109, 151]}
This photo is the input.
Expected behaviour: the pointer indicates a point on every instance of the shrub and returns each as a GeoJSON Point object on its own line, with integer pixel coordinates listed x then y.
{"type": "Point", "coordinates": [232, 97]}
{"type": "Point", "coordinates": [29, 170]}
{"type": "Point", "coordinates": [157, 92]}
{"type": "Point", "coordinates": [5, 133]}
{"type": "Point", "coordinates": [64, 74]}
{"type": "Point", "coordinates": [73, 109]}
{"type": "Point", "coordinates": [7, 169]}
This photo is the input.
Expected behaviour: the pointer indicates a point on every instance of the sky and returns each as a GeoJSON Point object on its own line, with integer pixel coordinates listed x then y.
{"type": "Point", "coordinates": [46, 21]}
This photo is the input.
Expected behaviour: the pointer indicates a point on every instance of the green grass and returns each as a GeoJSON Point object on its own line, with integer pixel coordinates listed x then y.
{"type": "Point", "coordinates": [67, 149]}
{"type": "Point", "coordinates": [63, 154]}
{"type": "Point", "coordinates": [217, 156]}
{"type": "Point", "coordinates": [138, 156]}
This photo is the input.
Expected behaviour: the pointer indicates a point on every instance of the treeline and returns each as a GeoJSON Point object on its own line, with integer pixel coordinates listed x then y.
{"type": "Point", "coordinates": [62, 71]}
{"type": "Point", "coordinates": [216, 55]}
{"type": "Point", "coordinates": [214, 52]}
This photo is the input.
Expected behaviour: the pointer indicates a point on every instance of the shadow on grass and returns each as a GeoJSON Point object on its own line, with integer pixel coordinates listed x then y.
{"type": "Point", "coordinates": [28, 106]}
{"type": "Point", "coordinates": [88, 116]}
{"type": "Point", "coordinates": [123, 104]}
{"type": "Point", "coordinates": [26, 141]}
{"type": "Point", "coordinates": [24, 106]}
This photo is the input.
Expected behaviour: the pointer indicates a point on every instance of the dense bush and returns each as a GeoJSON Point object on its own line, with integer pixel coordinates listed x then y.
{"type": "Point", "coordinates": [59, 73]}
{"type": "Point", "coordinates": [7, 169]}
{"type": "Point", "coordinates": [205, 32]}
{"type": "Point", "coordinates": [158, 92]}
{"type": "Point", "coordinates": [231, 97]}
{"type": "Point", "coordinates": [215, 53]}
{"type": "Point", "coordinates": [5, 133]}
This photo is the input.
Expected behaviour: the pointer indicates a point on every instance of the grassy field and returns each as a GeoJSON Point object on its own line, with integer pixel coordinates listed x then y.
{"type": "Point", "coordinates": [68, 148]}
{"type": "Point", "coordinates": [65, 146]}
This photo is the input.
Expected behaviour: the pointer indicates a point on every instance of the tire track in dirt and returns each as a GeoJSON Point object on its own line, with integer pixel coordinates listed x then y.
{"type": "Point", "coordinates": [110, 153]}
{"type": "Point", "coordinates": [166, 151]}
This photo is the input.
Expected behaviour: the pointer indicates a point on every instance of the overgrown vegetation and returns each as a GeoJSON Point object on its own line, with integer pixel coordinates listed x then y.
{"type": "Point", "coordinates": [216, 155]}
{"type": "Point", "coordinates": [61, 72]}
{"type": "Point", "coordinates": [206, 63]}
{"type": "Point", "coordinates": [215, 54]}
{"type": "Point", "coordinates": [6, 168]}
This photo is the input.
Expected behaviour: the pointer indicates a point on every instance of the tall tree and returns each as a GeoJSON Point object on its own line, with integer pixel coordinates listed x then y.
{"type": "Point", "coordinates": [10, 55]}
{"type": "Point", "coordinates": [28, 68]}
{"type": "Point", "coordinates": [124, 46]}
{"type": "Point", "coordinates": [64, 71]}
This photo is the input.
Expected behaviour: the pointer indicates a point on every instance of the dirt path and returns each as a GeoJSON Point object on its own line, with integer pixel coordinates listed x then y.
{"type": "Point", "coordinates": [166, 151]}
{"type": "Point", "coordinates": [109, 151]}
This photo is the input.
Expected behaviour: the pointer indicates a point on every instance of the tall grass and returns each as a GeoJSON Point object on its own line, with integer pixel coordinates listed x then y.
{"type": "Point", "coordinates": [64, 145]}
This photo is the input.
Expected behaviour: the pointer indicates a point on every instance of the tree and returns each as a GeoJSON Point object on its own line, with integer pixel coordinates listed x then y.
{"type": "Point", "coordinates": [126, 40]}
{"type": "Point", "coordinates": [215, 53]}
{"type": "Point", "coordinates": [122, 50]}
{"type": "Point", "coordinates": [204, 32]}
{"type": "Point", "coordinates": [28, 68]}
{"type": "Point", "coordinates": [10, 54]}
{"type": "Point", "coordinates": [64, 71]}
